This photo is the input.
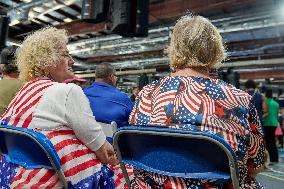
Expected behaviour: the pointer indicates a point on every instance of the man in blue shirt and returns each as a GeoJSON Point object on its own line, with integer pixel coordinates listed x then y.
{"type": "Point", "coordinates": [107, 102]}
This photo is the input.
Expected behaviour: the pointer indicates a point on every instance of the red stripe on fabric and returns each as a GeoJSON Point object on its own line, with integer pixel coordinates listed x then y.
{"type": "Point", "coordinates": [81, 167]}
{"type": "Point", "coordinates": [52, 184]}
{"type": "Point", "coordinates": [60, 132]}
{"type": "Point", "coordinates": [21, 96]}
{"type": "Point", "coordinates": [27, 121]}
{"type": "Point", "coordinates": [10, 106]}
{"type": "Point", "coordinates": [29, 98]}
{"type": "Point", "coordinates": [145, 110]}
{"type": "Point", "coordinates": [32, 87]}
{"type": "Point", "coordinates": [43, 179]}
{"type": "Point", "coordinates": [189, 104]}
{"type": "Point", "coordinates": [65, 143]}
{"type": "Point", "coordinates": [15, 99]}
{"type": "Point", "coordinates": [181, 183]}
{"type": "Point", "coordinates": [175, 182]}
{"type": "Point", "coordinates": [19, 176]}
{"type": "Point", "coordinates": [146, 102]}
{"type": "Point", "coordinates": [198, 98]}
{"type": "Point", "coordinates": [166, 100]}
{"type": "Point", "coordinates": [230, 96]}
{"type": "Point", "coordinates": [167, 94]}
{"type": "Point", "coordinates": [28, 179]}
{"type": "Point", "coordinates": [228, 136]}
{"type": "Point", "coordinates": [141, 184]}
{"type": "Point", "coordinates": [75, 154]}
{"type": "Point", "coordinates": [118, 179]}
{"type": "Point", "coordinates": [18, 117]}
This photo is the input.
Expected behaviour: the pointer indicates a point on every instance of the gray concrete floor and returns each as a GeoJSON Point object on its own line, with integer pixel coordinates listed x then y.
{"type": "Point", "coordinates": [273, 177]}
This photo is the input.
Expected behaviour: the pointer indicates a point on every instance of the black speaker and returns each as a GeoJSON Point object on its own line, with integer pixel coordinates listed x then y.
{"type": "Point", "coordinates": [120, 17]}
{"type": "Point", "coordinates": [4, 25]}
{"type": "Point", "coordinates": [142, 18]}
{"type": "Point", "coordinates": [95, 10]}
{"type": "Point", "coordinates": [129, 18]}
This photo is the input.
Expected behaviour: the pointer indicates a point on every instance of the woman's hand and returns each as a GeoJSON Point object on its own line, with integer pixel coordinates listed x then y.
{"type": "Point", "coordinates": [106, 154]}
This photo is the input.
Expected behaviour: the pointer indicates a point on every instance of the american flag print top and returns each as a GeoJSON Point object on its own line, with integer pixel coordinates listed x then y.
{"type": "Point", "coordinates": [203, 104]}
{"type": "Point", "coordinates": [80, 166]}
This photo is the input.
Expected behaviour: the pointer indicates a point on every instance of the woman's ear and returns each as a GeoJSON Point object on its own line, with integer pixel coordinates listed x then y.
{"type": "Point", "coordinates": [113, 79]}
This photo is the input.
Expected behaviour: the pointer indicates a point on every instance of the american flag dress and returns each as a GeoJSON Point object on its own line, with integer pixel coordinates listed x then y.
{"type": "Point", "coordinates": [80, 166]}
{"type": "Point", "coordinates": [203, 104]}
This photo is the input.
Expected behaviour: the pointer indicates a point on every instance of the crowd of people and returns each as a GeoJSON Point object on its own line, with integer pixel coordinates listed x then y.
{"type": "Point", "coordinates": [50, 100]}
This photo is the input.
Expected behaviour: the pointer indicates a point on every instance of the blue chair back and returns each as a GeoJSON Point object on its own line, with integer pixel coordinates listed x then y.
{"type": "Point", "coordinates": [29, 149]}
{"type": "Point", "coordinates": [176, 153]}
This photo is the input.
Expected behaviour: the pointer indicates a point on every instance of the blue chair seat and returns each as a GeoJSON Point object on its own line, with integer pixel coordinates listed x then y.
{"type": "Point", "coordinates": [176, 153]}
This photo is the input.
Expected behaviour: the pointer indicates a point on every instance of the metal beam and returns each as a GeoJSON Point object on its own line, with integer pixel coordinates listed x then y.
{"type": "Point", "coordinates": [164, 10]}
{"type": "Point", "coordinates": [276, 74]}
{"type": "Point", "coordinates": [176, 8]}
{"type": "Point", "coordinates": [275, 61]}
{"type": "Point", "coordinates": [9, 3]}
{"type": "Point", "coordinates": [156, 52]}
{"type": "Point", "coordinates": [81, 27]}
{"type": "Point", "coordinates": [119, 73]}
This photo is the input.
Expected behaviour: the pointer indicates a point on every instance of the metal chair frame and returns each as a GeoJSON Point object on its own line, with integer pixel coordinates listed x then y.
{"type": "Point", "coordinates": [177, 133]}
{"type": "Point", "coordinates": [41, 142]}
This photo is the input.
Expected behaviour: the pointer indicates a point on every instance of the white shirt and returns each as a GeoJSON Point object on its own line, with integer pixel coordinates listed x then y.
{"type": "Point", "coordinates": [65, 105]}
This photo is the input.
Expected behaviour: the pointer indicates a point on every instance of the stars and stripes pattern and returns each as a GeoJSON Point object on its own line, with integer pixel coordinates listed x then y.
{"type": "Point", "coordinates": [20, 109]}
{"type": "Point", "coordinates": [79, 164]}
{"type": "Point", "coordinates": [208, 104]}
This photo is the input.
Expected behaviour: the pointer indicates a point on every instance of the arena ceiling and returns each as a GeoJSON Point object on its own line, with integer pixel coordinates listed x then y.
{"type": "Point", "coordinates": [253, 31]}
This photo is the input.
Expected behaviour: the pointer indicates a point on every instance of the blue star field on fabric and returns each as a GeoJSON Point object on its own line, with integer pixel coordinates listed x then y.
{"type": "Point", "coordinates": [7, 173]}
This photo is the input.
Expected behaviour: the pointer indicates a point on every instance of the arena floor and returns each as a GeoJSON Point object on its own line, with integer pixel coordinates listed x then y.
{"type": "Point", "coordinates": [273, 177]}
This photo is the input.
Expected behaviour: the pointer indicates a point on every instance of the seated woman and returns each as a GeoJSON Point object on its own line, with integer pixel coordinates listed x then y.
{"type": "Point", "coordinates": [59, 111]}
{"type": "Point", "coordinates": [190, 99]}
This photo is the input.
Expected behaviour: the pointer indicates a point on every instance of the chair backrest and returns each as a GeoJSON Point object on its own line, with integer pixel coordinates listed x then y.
{"type": "Point", "coordinates": [29, 149]}
{"type": "Point", "coordinates": [109, 130]}
{"type": "Point", "coordinates": [177, 153]}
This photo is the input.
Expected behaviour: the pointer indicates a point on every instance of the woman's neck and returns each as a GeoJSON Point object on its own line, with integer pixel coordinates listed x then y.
{"type": "Point", "coordinates": [200, 72]}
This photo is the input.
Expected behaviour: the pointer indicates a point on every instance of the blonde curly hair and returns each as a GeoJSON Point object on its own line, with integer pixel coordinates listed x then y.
{"type": "Point", "coordinates": [195, 42]}
{"type": "Point", "coordinates": [38, 51]}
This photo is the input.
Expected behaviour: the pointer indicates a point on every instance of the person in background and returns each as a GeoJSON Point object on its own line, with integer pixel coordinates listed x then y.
{"type": "Point", "coordinates": [270, 125]}
{"type": "Point", "coordinates": [190, 99]}
{"type": "Point", "coordinates": [259, 101]}
{"type": "Point", "coordinates": [134, 94]}
{"type": "Point", "coordinates": [281, 120]}
{"type": "Point", "coordinates": [62, 113]}
{"type": "Point", "coordinates": [10, 84]}
{"type": "Point", "coordinates": [107, 102]}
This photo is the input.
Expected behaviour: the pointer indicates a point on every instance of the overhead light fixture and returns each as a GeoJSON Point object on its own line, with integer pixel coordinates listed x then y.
{"type": "Point", "coordinates": [9, 43]}
{"type": "Point", "coordinates": [14, 22]}
{"type": "Point", "coordinates": [67, 20]}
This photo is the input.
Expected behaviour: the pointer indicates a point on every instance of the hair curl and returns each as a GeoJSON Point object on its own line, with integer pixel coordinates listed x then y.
{"type": "Point", "coordinates": [38, 51]}
{"type": "Point", "coordinates": [195, 42]}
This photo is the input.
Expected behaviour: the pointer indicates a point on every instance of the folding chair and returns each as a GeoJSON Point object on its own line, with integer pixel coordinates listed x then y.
{"type": "Point", "coordinates": [176, 153]}
{"type": "Point", "coordinates": [29, 149]}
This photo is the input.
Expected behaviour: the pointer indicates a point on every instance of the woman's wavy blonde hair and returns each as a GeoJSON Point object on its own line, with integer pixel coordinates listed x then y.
{"type": "Point", "coordinates": [38, 51]}
{"type": "Point", "coordinates": [195, 42]}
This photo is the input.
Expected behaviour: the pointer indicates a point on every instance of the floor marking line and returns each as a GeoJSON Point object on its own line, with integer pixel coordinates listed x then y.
{"type": "Point", "coordinates": [275, 171]}
{"type": "Point", "coordinates": [277, 178]}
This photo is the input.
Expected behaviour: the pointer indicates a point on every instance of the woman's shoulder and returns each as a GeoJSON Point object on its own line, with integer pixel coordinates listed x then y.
{"type": "Point", "coordinates": [64, 89]}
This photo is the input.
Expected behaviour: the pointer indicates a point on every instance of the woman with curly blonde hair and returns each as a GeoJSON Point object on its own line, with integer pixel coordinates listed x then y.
{"type": "Point", "coordinates": [190, 99]}
{"type": "Point", "coordinates": [62, 113]}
